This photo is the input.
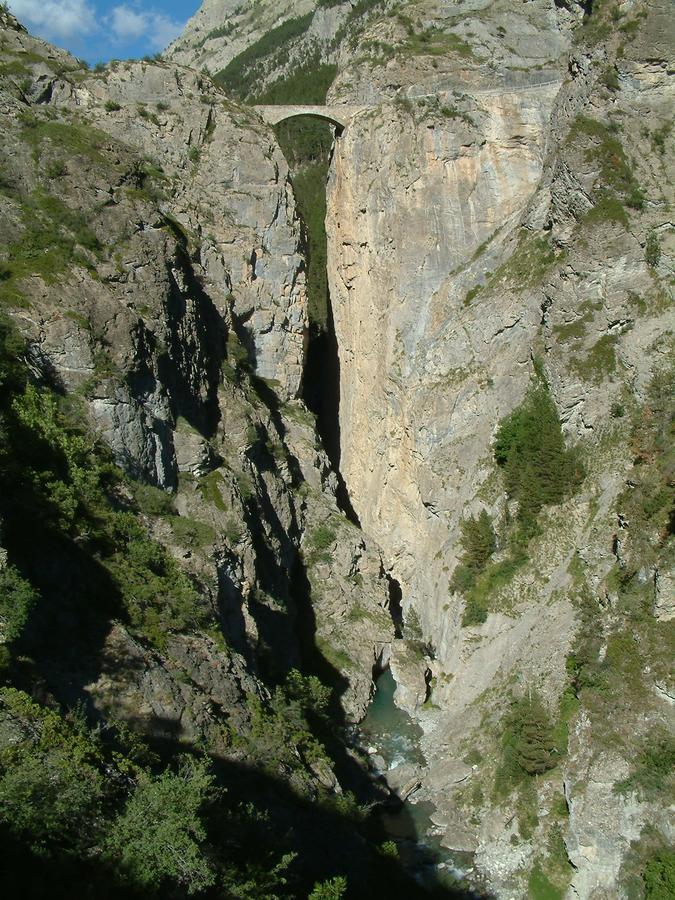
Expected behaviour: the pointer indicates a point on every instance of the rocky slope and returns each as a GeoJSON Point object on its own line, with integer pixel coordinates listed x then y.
{"type": "Point", "coordinates": [499, 217]}
{"type": "Point", "coordinates": [500, 253]}
{"type": "Point", "coordinates": [475, 229]}
{"type": "Point", "coordinates": [152, 270]}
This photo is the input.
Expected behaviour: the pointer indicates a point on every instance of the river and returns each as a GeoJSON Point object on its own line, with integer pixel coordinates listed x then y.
{"type": "Point", "coordinates": [390, 733]}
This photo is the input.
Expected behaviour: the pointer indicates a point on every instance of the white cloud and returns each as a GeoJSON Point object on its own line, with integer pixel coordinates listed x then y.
{"type": "Point", "coordinates": [132, 24]}
{"type": "Point", "coordinates": [68, 20]}
{"type": "Point", "coordinates": [56, 19]}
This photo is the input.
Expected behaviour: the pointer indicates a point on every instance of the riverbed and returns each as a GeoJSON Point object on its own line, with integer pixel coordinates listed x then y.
{"type": "Point", "coordinates": [393, 738]}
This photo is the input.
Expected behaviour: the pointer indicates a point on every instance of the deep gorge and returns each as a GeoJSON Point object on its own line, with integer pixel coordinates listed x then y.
{"type": "Point", "coordinates": [286, 416]}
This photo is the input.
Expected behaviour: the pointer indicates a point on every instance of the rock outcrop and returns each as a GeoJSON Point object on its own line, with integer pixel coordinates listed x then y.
{"type": "Point", "coordinates": [177, 314]}
{"type": "Point", "coordinates": [469, 237]}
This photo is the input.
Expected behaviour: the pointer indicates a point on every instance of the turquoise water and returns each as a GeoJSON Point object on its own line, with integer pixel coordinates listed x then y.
{"type": "Point", "coordinates": [390, 729]}
{"type": "Point", "coordinates": [396, 738]}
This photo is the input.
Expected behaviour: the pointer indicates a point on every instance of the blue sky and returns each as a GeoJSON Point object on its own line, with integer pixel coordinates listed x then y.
{"type": "Point", "coordinates": [99, 30]}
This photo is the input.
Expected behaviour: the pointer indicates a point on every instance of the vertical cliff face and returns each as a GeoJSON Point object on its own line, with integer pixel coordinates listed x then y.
{"type": "Point", "coordinates": [499, 248]}
{"type": "Point", "coordinates": [482, 241]}
{"type": "Point", "coordinates": [414, 194]}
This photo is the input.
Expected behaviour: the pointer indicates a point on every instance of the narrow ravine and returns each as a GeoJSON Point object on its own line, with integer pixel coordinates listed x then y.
{"type": "Point", "coordinates": [388, 737]}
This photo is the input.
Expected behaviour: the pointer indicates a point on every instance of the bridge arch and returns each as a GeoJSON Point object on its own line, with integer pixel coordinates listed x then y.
{"type": "Point", "coordinates": [339, 116]}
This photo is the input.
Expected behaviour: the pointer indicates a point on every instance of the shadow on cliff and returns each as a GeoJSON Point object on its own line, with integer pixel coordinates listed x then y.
{"type": "Point", "coordinates": [196, 342]}
{"type": "Point", "coordinates": [328, 835]}
{"type": "Point", "coordinates": [321, 393]}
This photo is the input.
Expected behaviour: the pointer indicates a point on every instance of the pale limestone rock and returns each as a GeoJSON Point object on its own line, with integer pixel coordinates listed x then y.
{"type": "Point", "coordinates": [664, 602]}
{"type": "Point", "coordinates": [410, 670]}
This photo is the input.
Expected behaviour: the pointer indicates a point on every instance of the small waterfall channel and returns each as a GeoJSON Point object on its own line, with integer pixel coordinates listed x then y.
{"type": "Point", "coordinates": [392, 739]}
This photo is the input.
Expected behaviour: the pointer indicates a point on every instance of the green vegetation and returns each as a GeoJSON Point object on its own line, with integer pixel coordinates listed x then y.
{"type": "Point", "coordinates": [241, 74]}
{"type": "Point", "coordinates": [526, 267]}
{"type": "Point", "coordinates": [481, 596]}
{"type": "Point", "coordinates": [307, 145]}
{"type": "Point", "coordinates": [478, 542]}
{"type": "Point", "coordinates": [599, 361]}
{"type": "Point", "coordinates": [89, 808]}
{"type": "Point", "coordinates": [618, 187]}
{"type": "Point", "coordinates": [52, 240]}
{"type": "Point", "coordinates": [191, 533]}
{"type": "Point", "coordinates": [529, 262]}
{"type": "Point", "coordinates": [55, 235]}
{"type": "Point", "coordinates": [281, 737]}
{"type": "Point", "coordinates": [334, 889]}
{"type": "Point", "coordinates": [655, 766]}
{"type": "Point", "coordinates": [320, 540]}
{"type": "Point", "coordinates": [601, 20]}
{"type": "Point", "coordinates": [649, 500]}
{"type": "Point", "coordinates": [70, 477]}
{"type": "Point", "coordinates": [538, 471]}
{"type": "Point", "coordinates": [308, 83]}
{"type": "Point", "coordinates": [17, 598]}
{"type": "Point", "coordinates": [528, 746]}
{"type": "Point", "coordinates": [75, 138]}
{"type": "Point", "coordinates": [652, 250]}
{"type": "Point", "coordinates": [93, 807]}
{"type": "Point", "coordinates": [540, 887]}
{"type": "Point", "coordinates": [659, 876]}
{"type": "Point", "coordinates": [530, 448]}
{"type": "Point", "coordinates": [158, 838]}
{"type": "Point", "coordinates": [434, 42]}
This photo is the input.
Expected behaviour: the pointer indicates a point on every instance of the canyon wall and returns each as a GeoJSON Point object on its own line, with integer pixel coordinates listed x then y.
{"type": "Point", "coordinates": [469, 250]}
{"type": "Point", "coordinates": [500, 247]}
{"type": "Point", "coordinates": [178, 320]}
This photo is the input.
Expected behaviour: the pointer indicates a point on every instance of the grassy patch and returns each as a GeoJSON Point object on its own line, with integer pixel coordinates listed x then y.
{"type": "Point", "coordinates": [191, 533]}
{"type": "Point", "coordinates": [73, 138]}
{"type": "Point", "coordinates": [52, 238]}
{"type": "Point", "coordinates": [619, 187]}
{"type": "Point", "coordinates": [210, 489]}
{"type": "Point", "coordinates": [434, 42]}
{"type": "Point", "coordinates": [654, 770]}
{"type": "Point", "coordinates": [599, 361]}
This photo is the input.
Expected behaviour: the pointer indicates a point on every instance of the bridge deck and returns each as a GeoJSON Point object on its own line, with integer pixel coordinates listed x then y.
{"type": "Point", "coordinates": [339, 115]}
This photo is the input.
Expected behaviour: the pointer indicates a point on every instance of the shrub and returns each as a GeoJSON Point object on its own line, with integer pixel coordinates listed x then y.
{"type": "Point", "coordinates": [17, 598]}
{"type": "Point", "coordinates": [334, 889]}
{"type": "Point", "coordinates": [322, 537]}
{"type": "Point", "coordinates": [659, 876]}
{"type": "Point", "coordinates": [159, 836]}
{"type": "Point", "coordinates": [56, 169]}
{"type": "Point", "coordinates": [652, 250]}
{"type": "Point", "coordinates": [618, 180]}
{"type": "Point", "coordinates": [110, 105]}
{"type": "Point", "coordinates": [530, 448]}
{"type": "Point", "coordinates": [654, 767]}
{"type": "Point", "coordinates": [478, 543]}
{"type": "Point", "coordinates": [528, 745]}
{"type": "Point", "coordinates": [51, 787]}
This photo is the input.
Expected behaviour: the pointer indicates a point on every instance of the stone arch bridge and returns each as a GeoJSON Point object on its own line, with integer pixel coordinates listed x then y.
{"type": "Point", "coordinates": [340, 116]}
